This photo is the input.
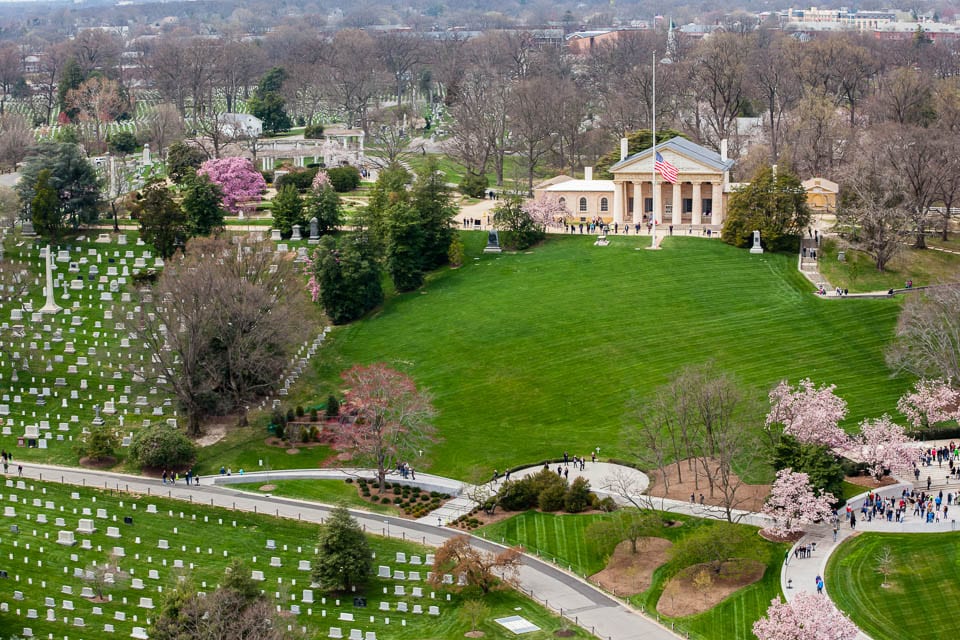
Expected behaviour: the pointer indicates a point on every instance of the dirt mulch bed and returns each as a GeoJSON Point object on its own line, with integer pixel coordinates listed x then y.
{"type": "Point", "coordinates": [100, 463]}
{"type": "Point", "coordinates": [682, 597]}
{"type": "Point", "coordinates": [629, 573]}
{"type": "Point", "coordinates": [274, 441]}
{"type": "Point", "coordinates": [869, 483]}
{"type": "Point", "coordinates": [767, 535]}
{"type": "Point", "coordinates": [750, 497]}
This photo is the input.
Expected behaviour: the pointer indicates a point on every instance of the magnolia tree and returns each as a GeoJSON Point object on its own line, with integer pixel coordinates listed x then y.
{"type": "Point", "coordinates": [388, 420]}
{"type": "Point", "coordinates": [808, 413]}
{"type": "Point", "coordinates": [884, 445]}
{"type": "Point", "coordinates": [807, 617]}
{"type": "Point", "coordinates": [240, 181]}
{"type": "Point", "coordinates": [321, 181]}
{"type": "Point", "coordinates": [793, 502]}
{"type": "Point", "coordinates": [545, 210]}
{"type": "Point", "coordinates": [930, 402]}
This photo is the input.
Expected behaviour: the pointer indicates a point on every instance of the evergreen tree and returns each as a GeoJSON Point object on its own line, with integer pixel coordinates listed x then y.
{"type": "Point", "coordinates": [435, 209]}
{"type": "Point", "coordinates": [348, 278]}
{"type": "Point", "coordinates": [344, 559]}
{"type": "Point", "coordinates": [324, 205]}
{"type": "Point", "coordinates": [775, 206]}
{"type": "Point", "coordinates": [183, 160]}
{"type": "Point", "coordinates": [71, 77]}
{"type": "Point", "coordinates": [391, 185]}
{"type": "Point", "coordinates": [45, 207]}
{"type": "Point", "coordinates": [163, 224]}
{"type": "Point", "coordinates": [637, 141]}
{"type": "Point", "coordinates": [287, 210]}
{"type": "Point", "coordinates": [405, 246]}
{"type": "Point", "coordinates": [203, 205]}
{"type": "Point", "coordinates": [268, 104]}
{"type": "Point", "coordinates": [71, 176]}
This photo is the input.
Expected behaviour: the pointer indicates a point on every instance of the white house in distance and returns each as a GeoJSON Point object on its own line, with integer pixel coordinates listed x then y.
{"type": "Point", "coordinates": [698, 198]}
{"type": "Point", "coordinates": [241, 125]}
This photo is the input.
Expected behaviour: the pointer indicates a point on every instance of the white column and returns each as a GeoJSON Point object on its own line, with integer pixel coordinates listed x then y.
{"type": "Point", "coordinates": [618, 202]}
{"type": "Point", "coordinates": [637, 201]}
{"type": "Point", "coordinates": [718, 212]}
{"type": "Point", "coordinates": [697, 196]}
{"type": "Point", "coordinates": [675, 216]}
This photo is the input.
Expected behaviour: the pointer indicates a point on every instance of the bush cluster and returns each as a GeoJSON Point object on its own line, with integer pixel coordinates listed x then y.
{"type": "Point", "coordinates": [546, 491]}
{"type": "Point", "coordinates": [474, 186]}
{"type": "Point", "coordinates": [162, 447]}
{"type": "Point", "coordinates": [344, 179]}
{"type": "Point", "coordinates": [302, 179]}
{"type": "Point", "coordinates": [313, 131]}
{"type": "Point", "coordinates": [413, 501]}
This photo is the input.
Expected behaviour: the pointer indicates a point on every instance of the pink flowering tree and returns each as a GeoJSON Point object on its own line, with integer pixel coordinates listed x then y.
{"type": "Point", "coordinates": [793, 502]}
{"type": "Point", "coordinates": [807, 617]}
{"type": "Point", "coordinates": [930, 402]}
{"type": "Point", "coordinates": [321, 181]}
{"type": "Point", "coordinates": [883, 444]}
{"type": "Point", "coordinates": [240, 181]}
{"type": "Point", "coordinates": [545, 210]}
{"type": "Point", "coordinates": [809, 413]}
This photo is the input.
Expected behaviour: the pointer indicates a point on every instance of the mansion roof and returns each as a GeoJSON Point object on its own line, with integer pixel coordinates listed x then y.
{"type": "Point", "coordinates": [683, 147]}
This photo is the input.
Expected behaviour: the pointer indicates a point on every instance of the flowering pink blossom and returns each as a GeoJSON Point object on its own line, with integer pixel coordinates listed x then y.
{"type": "Point", "coordinates": [930, 402]}
{"type": "Point", "coordinates": [807, 617]}
{"type": "Point", "coordinates": [545, 210]}
{"type": "Point", "coordinates": [321, 181]}
{"type": "Point", "coordinates": [792, 502]}
{"type": "Point", "coordinates": [241, 183]}
{"type": "Point", "coordinates": [808, 413]}
{"type": "Point", "coordinates": [883, 444]}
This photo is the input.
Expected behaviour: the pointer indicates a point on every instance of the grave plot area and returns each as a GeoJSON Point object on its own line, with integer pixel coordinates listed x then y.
{"type": "Point", "coordinates": [89, 563]}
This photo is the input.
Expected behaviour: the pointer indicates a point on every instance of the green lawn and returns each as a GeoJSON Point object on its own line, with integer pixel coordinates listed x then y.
{"type": "Point", "coordinates": [528, 355]}
{"type": "Point", "coordinates": [198, 536]}
{"type": "Point", "coordinates": [921, 599]}
{"type": "Point", "coordinates": [322, 491]}
{"type": "Point", "coordinates": [858, 272]}
{"type": "Point", "coordinates": [562, 539]}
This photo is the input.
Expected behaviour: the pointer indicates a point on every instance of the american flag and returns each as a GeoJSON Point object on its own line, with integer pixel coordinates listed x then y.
{"type": "Point", "coordinates": [666, 170]}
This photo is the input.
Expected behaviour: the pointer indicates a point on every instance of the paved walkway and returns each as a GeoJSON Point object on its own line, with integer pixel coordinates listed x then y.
{"type": "Point", "coordinates": [558, 590]}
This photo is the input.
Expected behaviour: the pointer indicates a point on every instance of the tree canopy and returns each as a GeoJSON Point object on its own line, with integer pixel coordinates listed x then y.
{"type": "Point", "coordinates": [775, 205]}
{"type": "Point", "coordinates": [72, 177]}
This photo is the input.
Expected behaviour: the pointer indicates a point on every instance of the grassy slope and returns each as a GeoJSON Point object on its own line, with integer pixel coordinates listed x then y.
{"type": "Point", "coordinates": [563, 539]}
{"type": "Point", "coordinates": [245, 540]}
{"type": "Point", "coordinates": [322, 491]}
{"type": "Point", "coordinates": [858, 272]}
{"type": "Point", "coordinates": [921, 601]}
{"type": "Point", "coordinates": [528, 355]}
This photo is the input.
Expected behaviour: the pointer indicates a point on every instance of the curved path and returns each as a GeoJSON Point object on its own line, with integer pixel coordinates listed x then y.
{"type": "Point", "coordinates": [576, 599]}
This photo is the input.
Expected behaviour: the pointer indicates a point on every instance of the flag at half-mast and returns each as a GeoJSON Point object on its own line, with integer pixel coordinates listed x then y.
{"type": "Point", "coordinates": [666, 170]}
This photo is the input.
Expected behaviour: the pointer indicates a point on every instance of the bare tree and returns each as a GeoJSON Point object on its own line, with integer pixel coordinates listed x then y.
{"type": "Point", "coordinates": [919, 158]}
{"type": "Point", "coordinates": [221, 324]}
{"type": "Point", "coordinates": [481, 569]}
{"type": "Point", "coordinates": [354, 75]}
{"type": "Point", "coordinates": [927, 342]}
{"type": "Point", "coordinates": [720, 74]}
{"type": "Point", "coordinates": [531, 121]}
{"type": "Point", "coordinates": [873, 209]}
{"type": "Point", "coordinates": [905, 97]}
{"type": "Point", "coordinates": [10, 71]}
{"type": "Point", "coordinates": [164, 126]}
{"type": "Point", "coordinates": [400, 53]}
{"type": "Point", "coordinates": [16, 140]}
{"type": "Point", "coordinates": [774, 83]}
{"type": "Point", "coordinates": [97, 101]}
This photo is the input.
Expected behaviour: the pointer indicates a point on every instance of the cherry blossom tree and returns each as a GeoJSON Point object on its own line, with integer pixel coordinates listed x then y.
{"type": "Point", "coordinates": [793, 502]}
{"type": "Point", "coordinates": [807, 617]}
{"type": "Point", "coordinates": [883, 444]}
{"type": "Point", "coordinates": [809, 413]}
{"type": "Point", "coordinates": [545, 210]}
{"type": "Point", "coordinates": [321, 181]}
{"type": "Point", "coordinates": [930, 402]}
{"type": "Point", "coordinates": [387, 421]}
{"type": "Point", "coordinates": [241, 183]}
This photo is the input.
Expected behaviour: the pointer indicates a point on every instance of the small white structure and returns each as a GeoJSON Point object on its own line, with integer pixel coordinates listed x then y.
{"type": "Point", "coordinates": [241, 125]}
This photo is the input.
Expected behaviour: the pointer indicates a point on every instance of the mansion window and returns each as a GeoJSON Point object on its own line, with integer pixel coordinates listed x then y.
{"type": "Point", "coordinates": [583, 204]}
{"type": "Point", "coordinates": [604, 205]}
{"type": "Point", "coordinates": [647, 205]}
{"type": "Point", "coordinates": [707, 207]}
{"type": "Point", "coordinates": [687, 205]}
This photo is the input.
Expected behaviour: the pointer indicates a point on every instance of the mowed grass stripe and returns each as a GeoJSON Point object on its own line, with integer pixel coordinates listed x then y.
{"type": "Point", "coordinates": [921, 599]}
{"type": "Point", "coordinates": [531, 354]}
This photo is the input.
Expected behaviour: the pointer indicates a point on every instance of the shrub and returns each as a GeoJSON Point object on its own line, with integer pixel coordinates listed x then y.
{"type": "Point", "coordinates": [302, 179]}
{"type": "Point", "coordinates": [517, 496]}
{"type": "Point", "coordinates": [473, 185]}
{"type": "Point", "coordinates": [348, 480]}
{"type": "Point", "coordinates": [552, 498]}
{"type": "Point", "coordinates": [145, 277]}
{"type": "Point", "coordinates": [385, 501]}
{"type": "Point", "coordinates": [313, 132]}
{"type": "Point", "coordinates": [277, 417]}
{"type": "Point", "coordinates": [290, 415]}
{"type": "Point", "coordinates": [607, 504]}
{"type": "Point", "coordinates": [344, 178]}
{"type": "Point", "coordinates": [333, 407]}
{"type": "Point", "coordinates": [267, 176]}
{"type": "Point", "coordinates": [162, 446]}
{"type": "Point", "coordinates": [122, 142]}
{"type": "Point", "coordinates": [305, 435]}
{"type": "Point", "coordinates": [578, 496]}
{"type": "Point", "coordinates": [299, 411]}
{"type": "Point", "coordinates": [280, 429]}
{"type": "Point", "coordinates": [313, 415]}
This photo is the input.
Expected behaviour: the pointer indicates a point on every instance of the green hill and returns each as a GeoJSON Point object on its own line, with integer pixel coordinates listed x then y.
{"type": "Point", "coordinates": [529, 355]}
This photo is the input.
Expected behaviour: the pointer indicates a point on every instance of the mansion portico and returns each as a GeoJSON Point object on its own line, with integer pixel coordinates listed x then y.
{"type": "Point", "coordinates": [698, 198]}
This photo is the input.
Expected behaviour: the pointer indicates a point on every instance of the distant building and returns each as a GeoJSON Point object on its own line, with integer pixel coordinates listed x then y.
{"type": "Point", "coordinates": [242, 125]}
{"type": "Point", "coordinates": [821, 194]}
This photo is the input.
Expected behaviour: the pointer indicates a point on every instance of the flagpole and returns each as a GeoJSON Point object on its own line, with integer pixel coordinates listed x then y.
{"type": "Point", "coordinates": [653, 158]}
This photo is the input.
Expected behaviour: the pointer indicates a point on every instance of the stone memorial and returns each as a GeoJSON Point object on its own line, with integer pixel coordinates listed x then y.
{"type": "Point", "coordinates": [756, 248]}
{"type": "Point", "coordinates": [275, 235]}
{"type": "Point", "coordinates": [314, 231]}
{"type": "Point", "coordinates": [493, 242]}
{"type": "Point", "coordinates": [296, 233]}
